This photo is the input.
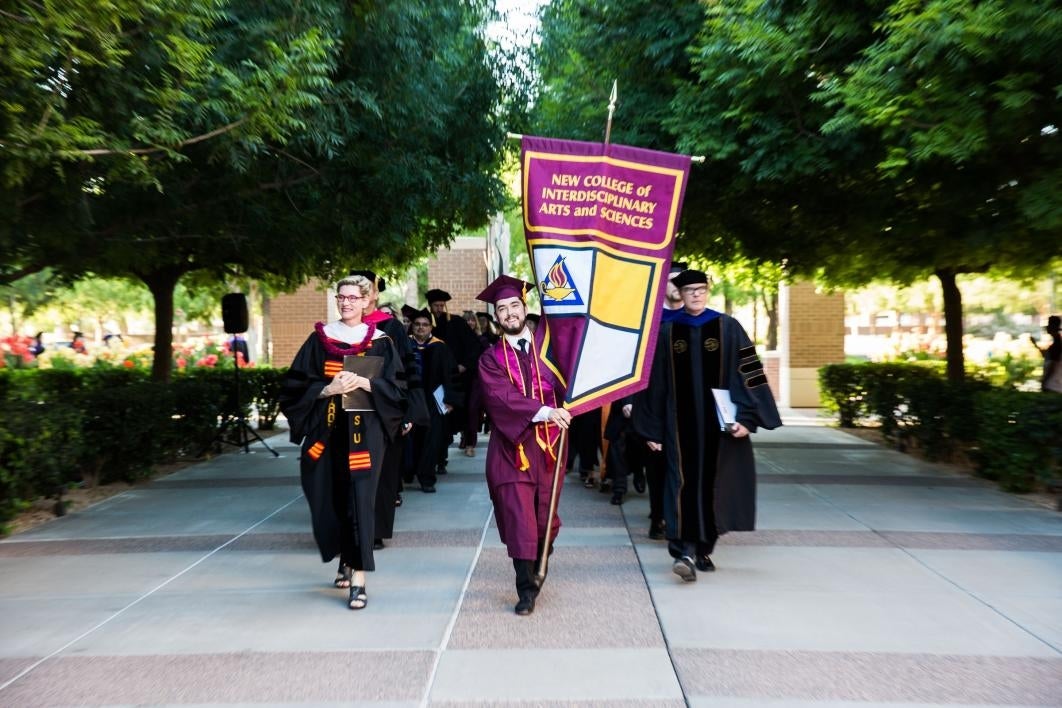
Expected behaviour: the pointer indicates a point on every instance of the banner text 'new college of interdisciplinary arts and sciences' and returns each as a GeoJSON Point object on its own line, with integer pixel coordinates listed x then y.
{"type": "Point", "coordinates": [600, 223]}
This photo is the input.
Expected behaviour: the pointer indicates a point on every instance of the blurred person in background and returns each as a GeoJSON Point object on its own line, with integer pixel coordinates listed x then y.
{"type": "Point", "coordinates": [1052, 378]}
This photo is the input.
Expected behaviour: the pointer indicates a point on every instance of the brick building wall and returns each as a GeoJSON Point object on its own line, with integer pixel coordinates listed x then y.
{"type": "Point", "coordinates": [460, 270]}
{"type": "Point", "coordinates": [291, 319]}
{"type": "Point", "coordinates": [771, 365]}
{"type": "Point", "coordinates": [811, 336]}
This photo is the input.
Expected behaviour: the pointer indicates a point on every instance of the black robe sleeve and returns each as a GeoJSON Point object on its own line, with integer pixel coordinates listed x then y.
{"type": "Point", "coordinates": [752, 397]}
{"type": "Point", "coordinates": [649, 416]}
{"type": "Point", "coordinates": [451, 383]}
{"type": "Point", "coordinates": [388, 394]}
{"type": "Point", "coordinates": [617, 423]}
{"type": "Point", "coordinates": [300, 390]}
{"type": "Point", "coordinates": [411, 376]}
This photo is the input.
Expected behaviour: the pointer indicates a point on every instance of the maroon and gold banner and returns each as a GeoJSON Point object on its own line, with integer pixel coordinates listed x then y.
{"type": "Point", "coordinates": [600, 222]}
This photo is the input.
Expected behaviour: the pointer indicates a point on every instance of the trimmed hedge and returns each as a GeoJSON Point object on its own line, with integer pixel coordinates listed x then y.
{"type": "Point", "coordinates": [1020, 440]}
{"type": "Point", "coordinates": [94, 426]}
{"type": "Point", "coordinates": [1013, 436]}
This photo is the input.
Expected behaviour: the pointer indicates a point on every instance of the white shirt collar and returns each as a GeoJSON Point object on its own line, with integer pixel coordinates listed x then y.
{"type": "Point", "coordinates": [514, 339]}
{"type": "Point", "coordinates": [342, 332]}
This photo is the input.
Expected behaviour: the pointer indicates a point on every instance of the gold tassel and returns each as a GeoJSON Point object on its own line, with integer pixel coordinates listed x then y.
{"type": "Point", "coordinates": [525, 464]}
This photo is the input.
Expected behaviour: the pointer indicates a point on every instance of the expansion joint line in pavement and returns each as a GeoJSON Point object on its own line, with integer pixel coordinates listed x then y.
{"type": "Point", "coordinates": [656, 609]}
{"type": "Point", "coordinates": [430, 683]}
{"type": "Point", "coordinates": [826, 500]}
{"type": "Point", "coordinates": [148, 594]}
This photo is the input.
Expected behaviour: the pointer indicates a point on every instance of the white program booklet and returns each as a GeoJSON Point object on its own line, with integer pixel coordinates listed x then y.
{"type": "Point", "coordinates": [724, 409]}
{"type": "Point", "coordinates": [438, 395]}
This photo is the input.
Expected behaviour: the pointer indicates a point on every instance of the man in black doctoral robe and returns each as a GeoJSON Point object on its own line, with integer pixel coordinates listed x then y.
{"type": "Point", "coordinates": [464, 345]}
{"type": "Point", "coordinates": [439, 374]}
{"type": "Point", "coordinates": [710, 485]}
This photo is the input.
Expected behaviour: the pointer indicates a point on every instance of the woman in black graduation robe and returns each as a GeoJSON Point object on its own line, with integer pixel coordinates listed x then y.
{"type": "Point", "coordinates": [342, 451]}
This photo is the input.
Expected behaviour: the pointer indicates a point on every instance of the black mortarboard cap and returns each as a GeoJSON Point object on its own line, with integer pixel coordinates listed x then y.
{"type": "Point", "coordinates": [381, 285]}
{"type": "Point", "coordinates": [690, 277]}
{"type": "Point", "coordinates": [436, 295]}
{"type": "Point", "coordinates": [678, 267]}
{"type": "Point", "coordinates": [410, 312]}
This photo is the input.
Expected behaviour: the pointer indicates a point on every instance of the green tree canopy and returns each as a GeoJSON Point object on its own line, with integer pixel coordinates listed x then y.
{"type": "Point", "coordinates": [849, 141]}
{"type": "Point", "coordinates": [262, 139]}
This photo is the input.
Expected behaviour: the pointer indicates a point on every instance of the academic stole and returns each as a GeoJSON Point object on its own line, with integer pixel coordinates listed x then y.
{"type": "Point", "coordinates": [542, 433]}
{"type": "Point", "coordinates": [358, 457]}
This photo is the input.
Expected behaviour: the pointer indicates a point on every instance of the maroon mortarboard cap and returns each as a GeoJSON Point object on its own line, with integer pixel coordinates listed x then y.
{"type": "Point", "coordinates": [379, 282]}
{"type": "Point", "coordinates": [503, 287]}
{"type": "Point", "coordinates": [411, 312]}
{"type": "Point", "coordinates": [437, 295]}
{"type": "Point", "coordinates": [690, 277]}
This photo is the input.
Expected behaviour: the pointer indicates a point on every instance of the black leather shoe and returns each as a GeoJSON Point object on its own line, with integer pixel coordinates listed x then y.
{"type": "Point", "coordinates": [683, 567]}
{"type": "Point", "coordinates": [617, 498]}
{"type": "Point", "coordinates": [427, 488]}
{"type": "Point", "coordinates": [705, 564]}
{"type": "Point", "coordinates": [639, 482]}
{"type": "Point", "coordinates": [605, 487]}
{"type": "Point", "coordinates": [526, 606]}
{"type": "Point", "coordinates": [378, 544]}
{"type": "Point", "coordinates": [656, 531]}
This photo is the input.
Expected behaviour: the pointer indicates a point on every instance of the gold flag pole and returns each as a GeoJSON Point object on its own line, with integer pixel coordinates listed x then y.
{"type": "Point", "coordinates": [611, 110]}
{"type": "Point", "coordinates": [519, 136]}
{"type": "Point", "coordinates": [543, 563]}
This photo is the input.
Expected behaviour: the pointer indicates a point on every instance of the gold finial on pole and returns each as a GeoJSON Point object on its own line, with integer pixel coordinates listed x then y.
{"type": "Point", "coordinates": [611, 109]}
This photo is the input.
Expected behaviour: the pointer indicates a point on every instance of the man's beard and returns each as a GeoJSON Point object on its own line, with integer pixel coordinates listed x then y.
{"type": "Point", "coordinates": [518, 328]}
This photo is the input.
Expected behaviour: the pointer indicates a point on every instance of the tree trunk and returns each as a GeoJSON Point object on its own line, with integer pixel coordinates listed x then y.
{"type": "Point", "coordinates": [953, 326]}
{"type": "Point", "coordinates": [162, 284]}
{"type": "Point", "coordinates": [770, 307]}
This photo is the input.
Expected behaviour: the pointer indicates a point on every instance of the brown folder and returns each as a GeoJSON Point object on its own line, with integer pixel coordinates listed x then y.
{"type": "Point", "coordinates": [368, 366]}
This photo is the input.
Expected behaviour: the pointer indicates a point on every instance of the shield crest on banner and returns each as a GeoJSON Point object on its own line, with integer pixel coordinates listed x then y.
{"type": "Point", "coordinates": [598, 301]}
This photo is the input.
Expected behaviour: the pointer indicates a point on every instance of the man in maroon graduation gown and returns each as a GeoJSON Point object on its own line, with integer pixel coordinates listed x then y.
{"type": "Point", "coordinates": [523, 399]}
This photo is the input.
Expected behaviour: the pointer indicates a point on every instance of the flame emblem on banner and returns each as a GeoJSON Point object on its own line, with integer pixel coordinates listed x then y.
{"type": "Point", "coordinates": [557, 284]}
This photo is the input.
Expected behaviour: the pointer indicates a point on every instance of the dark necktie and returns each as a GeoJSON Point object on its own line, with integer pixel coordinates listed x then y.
{"type": "Point", "coordinates": [523, 345]}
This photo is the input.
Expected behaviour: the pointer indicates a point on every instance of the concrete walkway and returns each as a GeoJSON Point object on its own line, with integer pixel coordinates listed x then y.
{"type": "Point", "coordinates": [874, 580]}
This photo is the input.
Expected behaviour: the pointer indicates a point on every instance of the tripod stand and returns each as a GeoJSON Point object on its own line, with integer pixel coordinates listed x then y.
{"type": "Point", "coordinates": [237, 423]}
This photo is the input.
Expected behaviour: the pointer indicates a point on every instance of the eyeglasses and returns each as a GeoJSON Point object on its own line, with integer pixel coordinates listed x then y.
{"type": "Point", "coordinates": [349, 298]}
{"type": "Point", "coordinates": [694, 291]}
